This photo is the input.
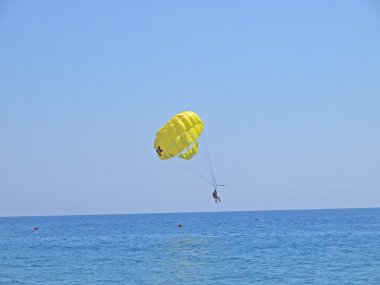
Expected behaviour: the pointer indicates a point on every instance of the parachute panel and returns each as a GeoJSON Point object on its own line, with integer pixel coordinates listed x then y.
{"type": "Point", "coordinates": [190, 152]}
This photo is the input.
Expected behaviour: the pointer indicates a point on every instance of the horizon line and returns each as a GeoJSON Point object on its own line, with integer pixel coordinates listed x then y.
{"type": "Point", "coordinates": [186, 212]}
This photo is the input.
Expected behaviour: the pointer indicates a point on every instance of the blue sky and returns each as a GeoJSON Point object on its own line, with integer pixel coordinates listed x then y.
{"type": "Point", "coordinates": [288, 90]}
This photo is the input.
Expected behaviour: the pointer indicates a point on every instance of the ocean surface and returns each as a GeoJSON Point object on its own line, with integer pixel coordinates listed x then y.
{"type": "Point", "coordinates": [266, 247]}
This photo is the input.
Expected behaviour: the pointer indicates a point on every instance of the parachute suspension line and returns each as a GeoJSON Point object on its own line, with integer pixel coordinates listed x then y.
{"type": "Point", "coordinates": [192, 169]}
{"type": "Point", "coordinates": [200, 165]}
{"type": "Point", "coordinates": [206, 160]}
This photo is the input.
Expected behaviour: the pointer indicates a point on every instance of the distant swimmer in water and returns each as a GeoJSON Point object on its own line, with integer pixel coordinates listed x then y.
{"type": "Point", "coordinates": [215, 195]}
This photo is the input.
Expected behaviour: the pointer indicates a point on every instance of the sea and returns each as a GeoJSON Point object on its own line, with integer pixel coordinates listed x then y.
{"type": "Point", "coordinates": [338, 246]}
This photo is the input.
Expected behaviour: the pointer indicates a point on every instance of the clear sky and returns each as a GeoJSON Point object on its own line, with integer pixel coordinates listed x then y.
{"type": "Point", "coordinates": [289, 92]}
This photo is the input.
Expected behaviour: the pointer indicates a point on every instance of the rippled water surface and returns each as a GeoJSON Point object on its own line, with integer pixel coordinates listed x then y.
{"type": "Point", "coordinates": [269, 247]}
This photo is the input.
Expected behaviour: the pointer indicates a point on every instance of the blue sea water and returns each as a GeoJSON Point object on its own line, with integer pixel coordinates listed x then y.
{"type": "Point", "coordinates": [268, 247]}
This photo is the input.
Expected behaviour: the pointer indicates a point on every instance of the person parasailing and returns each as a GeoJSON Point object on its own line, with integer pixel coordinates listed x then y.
{"type": "Point", "coordinates": [215, 195]}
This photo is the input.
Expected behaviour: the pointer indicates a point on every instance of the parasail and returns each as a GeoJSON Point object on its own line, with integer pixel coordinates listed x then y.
{"type": "Point", "coordinates": [179, 136]}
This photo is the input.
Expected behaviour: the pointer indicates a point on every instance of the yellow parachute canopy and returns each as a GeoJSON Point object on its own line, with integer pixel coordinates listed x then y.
{"type": "Point", "coordinates": [179, 136]}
